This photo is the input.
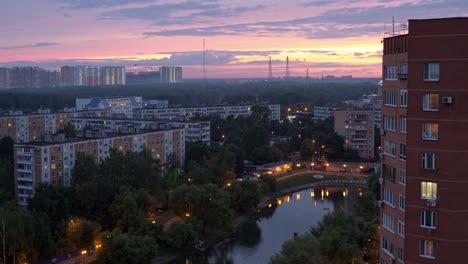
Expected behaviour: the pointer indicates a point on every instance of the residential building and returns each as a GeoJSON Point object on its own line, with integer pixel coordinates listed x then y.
{"type": "Point", "coordinates": [52, 162]}
{"type": "Point", "coordinates": [117, 106]}
{"type": "Point", "coordinates": [4, 78]}
{"type": "Point", "coordinates": [146, 77]}
{"type": "Point", "coordinates": [170, 74]}
{"type": "Point", "coordinates": [93, 75]}
{"type": "Point", "coordinates": [424, 207]}
{"type": "Point", "coordinates": [194, 131]}
{"type": "Point", "coordinates": [185, 113]}
{"type": "Point", "coordinates": [155, 103]}
{"type": "Point", "coordinates": [323, 112]}
{"type": "Point", "coordinates": [357, 126]}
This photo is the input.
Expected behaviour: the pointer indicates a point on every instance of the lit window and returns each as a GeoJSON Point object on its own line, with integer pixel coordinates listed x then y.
{"type": "Point", "coordinates": [428, 190]}
{"type": "Point", "coordinates": [428, 161]}
{"type": "Point", "coordinates": [431, 71]}
{"type": "Point", "coordinates": [428, 219]}
{"type": "Point", "coordinates": [426, 249]}
{"type": "Point", "coordinates": [430, 131]}
{"type": "Point", "coordinates": [431, 102]}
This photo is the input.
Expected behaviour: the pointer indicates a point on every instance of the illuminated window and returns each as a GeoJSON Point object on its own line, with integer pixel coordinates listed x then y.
{"type": "Point", "coordinates": [428, 190]}
{"type": "Point", "coordinates": [430, 131]}
{"type": "Point", "coordinates": [431, 102]}
{"type": "Point", "coordinates": [52, 166]}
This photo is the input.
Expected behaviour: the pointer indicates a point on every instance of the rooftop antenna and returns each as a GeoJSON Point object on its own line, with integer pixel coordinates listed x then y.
{"type": "Point", "coordinates": [270, 70]}
{"type": "Point", "coordinates": [307, 74]}
{"type": "Point", "coordinates": [393, 26]}
{"type": "Point", "coordinates": [204, 63]}
{"type": "Point", "coordinates": [287, 67]}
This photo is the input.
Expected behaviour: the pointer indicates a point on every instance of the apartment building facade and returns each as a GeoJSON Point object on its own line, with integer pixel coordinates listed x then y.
{"type": "Point", "coordinates": [52, 163]}
{"type": "Point", "coordinates": [186, 113]}
{"type": "Point", "coordinates": [425, 122]}
{"type": "Point", "coordinates": [92, 75]}
{"type": "Point", "coordinates": [117, 106]}
{"type": "Point", "coordinates": [357, 127]}
{"type": "Point", "coordinates": [194, 131]}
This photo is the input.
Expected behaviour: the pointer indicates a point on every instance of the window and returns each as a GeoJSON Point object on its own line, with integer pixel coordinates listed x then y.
{"type": "Point", "coordinates": [426, 248]}
{"type": "Point", "coordinates": [430, 131]}
{"type": "Point", "coordinates": [388, 222]}
{"type": "Point", "coordinates": [401, 202]}
{"type": "Point", "coordinates": [404, 68]}
{"type": "Point", "coordinates": [389, 197]}
{"type": "Point", "coordinates": [389, 173]}
{"type": "Point", "coordinates": [403, 124]}
{"type": "Point", "coordinates": [391, 73]}
{"type": "Point", "coordinates": [390, 98]}
{"type": "Point", "coordinates": [400, 254]}
{"type": "Point", "coordinates": [390, 148]}
{"type": "Point", "coordinates": [387, 246]}
{"type": "Point", "coordinates": [428, 190]}
{"type": "Point", "coordinates": [390, 123]}
{"type": "Point", "coordinates": [402, 177]}
{"type": "Point", "coordinates": [429, 161]}
{"type": "Point", "coordinates": [403, 151]}
{"type": "Point", "coordinates": [404, 98]}
{"type": "Point", "coordinates": [401, 228]}
{"type": "Point", "coordinates": [431, 102]}
{"type": "Point", "coordinates": [431, 71]}
{"type": "Point", "coordinates": [428, 219]}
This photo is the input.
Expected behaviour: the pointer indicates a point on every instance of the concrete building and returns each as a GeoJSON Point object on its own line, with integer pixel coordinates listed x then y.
{"type": "Point", "coordinates": [357, 126]}
{"type": "Point", "coordinates": [194, 131]}
{"type": "Point", "coordinates": [170, 74]}
{"type": "Point", "coordinates": [185, 113]}
{"type": "Point", "coordinates": [52, 162]}
{"type": "Point", "coordinates": [93, 75]}
{"type": "Point", "coordinates": [117, 106]}
{"type": "Point", "coordinates": [4, 78]}
{"type": "Point", "coordinates": [323, 112]}
{"type": "Point", "coordinates": [155, 103]}
{"type": "Point", "coordinates": [424, 204]}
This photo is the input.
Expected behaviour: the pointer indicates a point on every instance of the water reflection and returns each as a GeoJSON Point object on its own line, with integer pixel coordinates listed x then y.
{"type": "Point", "coordinates": [257, 240]}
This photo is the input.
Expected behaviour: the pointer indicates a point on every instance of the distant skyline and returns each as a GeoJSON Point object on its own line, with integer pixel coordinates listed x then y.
{"type": "Point", "coordinates": [330, 37]}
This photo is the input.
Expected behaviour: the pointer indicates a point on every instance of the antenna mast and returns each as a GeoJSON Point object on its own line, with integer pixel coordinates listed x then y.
{"type": "Point", "coordinates": [270, 70]}
{"type": "Point", "coordinates": [204, 63]}
{"type": "Point", "coordinates": [393, 26]}
{"type": "Point", "coordinates": [287, 67]}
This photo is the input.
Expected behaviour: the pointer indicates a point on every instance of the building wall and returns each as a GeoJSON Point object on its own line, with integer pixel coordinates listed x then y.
{"type": "Point", "coordinates": [357, 126]}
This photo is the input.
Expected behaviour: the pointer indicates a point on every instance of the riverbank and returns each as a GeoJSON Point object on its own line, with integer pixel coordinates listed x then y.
{"type": "Point", "coordinates": [292, 183]}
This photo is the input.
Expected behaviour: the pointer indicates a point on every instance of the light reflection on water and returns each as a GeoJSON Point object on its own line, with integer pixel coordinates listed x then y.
{"type": "Point", "coordinates": [257, 240]}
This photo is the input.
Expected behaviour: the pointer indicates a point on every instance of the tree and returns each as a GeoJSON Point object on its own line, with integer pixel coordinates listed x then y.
{"type": "Point", "coordinates": [82, 232]}
{"type": "Point", "coordinates": [181, 236]}
{"type": "Point", "coordinates": [128, 209]}
{"type": "Point", "coordinates": [268, 183]}
{"type": "Point", "coordinates": [121, 248]}
{"type": "Point", "coordinates": [301, 249]}
{"type": "Point", "coordinates": [245, 195]}
{"type": "Point", "coordinates": [207, 203]}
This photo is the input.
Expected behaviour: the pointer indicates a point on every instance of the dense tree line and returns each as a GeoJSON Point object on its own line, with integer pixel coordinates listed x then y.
{"type": "Point", "coordinates": [215, 93]}
{"type": "Point", "coordinates": [340, 237]}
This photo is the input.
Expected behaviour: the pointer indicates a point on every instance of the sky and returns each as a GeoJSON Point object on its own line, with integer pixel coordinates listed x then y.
{"type": "Point", "coordinates": [329, 37]}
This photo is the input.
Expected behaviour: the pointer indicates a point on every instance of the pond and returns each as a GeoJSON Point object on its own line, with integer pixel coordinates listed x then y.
{"type": "Point", "coordinates": [258, 239]}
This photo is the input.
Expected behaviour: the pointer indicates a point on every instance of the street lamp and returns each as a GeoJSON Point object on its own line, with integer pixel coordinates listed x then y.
{"type": "Point", "coordinates": [83, 254]}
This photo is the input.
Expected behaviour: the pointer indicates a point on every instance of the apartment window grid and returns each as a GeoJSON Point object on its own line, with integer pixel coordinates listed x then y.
{"type": "Point", "coordinates": [389, 197]}
{"type": "Point", "coordinates": [388, 222]}
{"type": "Point", "coordinates": [401, 228]}
{"type": "Point", "coordinates": [390, 98]}
{"type": "Point", "coordinates": [402, 202]}
{"type": "Point", "coordinates": [391, 73]}
{"type": "Point", "coordinates": [387, 246]}
{"type": "Point", "coordinates": [390, 123]}
{"type": "Point", "coordinates": [404, 98]}
{"type": "Point", "coordinates": [431, 72]}
{"type": "Point", "coordinates": [431, 102]}
{"type": "Point", "coordinates": [428, 219]}
{"type": "Point", "coordinates": [430, 131]}
{"type": "Point", "coordinates": [429, 161]}
{"type": "Point", "coordinates": [426, 248]}
{"type": "Point", "coordinates": [429, 190]}
{"type": "Point", "coordinates": [402, 151]}
{"type": "Point", "coordinates": [403, 124]}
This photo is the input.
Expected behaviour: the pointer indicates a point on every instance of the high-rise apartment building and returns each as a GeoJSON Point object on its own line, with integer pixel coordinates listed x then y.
{"type": "Point", "coordinates": [92, 75]}
{"type": "Point", "coordinates": [4, 78]}
{"type": "Point", "coordinates": [170, 74]}
{"type": "Point", "coordinates": [357, 127]}
{"type": "Point", "coordinates": [424, 211]}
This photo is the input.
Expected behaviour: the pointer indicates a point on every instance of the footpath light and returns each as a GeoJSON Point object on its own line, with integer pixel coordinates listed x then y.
{"type": "Point", "coordinates": [83, 252]}
{"type": "Point", "coordinates": [187, 214]}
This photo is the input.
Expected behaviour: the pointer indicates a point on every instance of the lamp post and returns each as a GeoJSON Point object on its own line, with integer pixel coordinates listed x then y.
{"type": "Point", "coordinates": [83, 254]}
